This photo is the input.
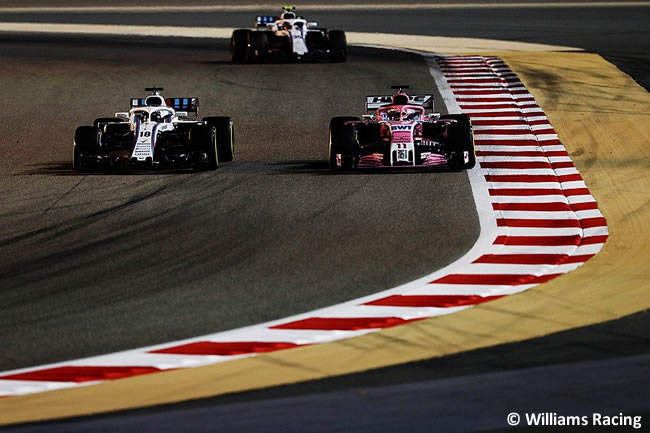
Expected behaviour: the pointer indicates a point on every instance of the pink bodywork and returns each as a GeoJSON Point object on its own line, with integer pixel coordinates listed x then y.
{"type": "Point", "coordinates": [401, 115]}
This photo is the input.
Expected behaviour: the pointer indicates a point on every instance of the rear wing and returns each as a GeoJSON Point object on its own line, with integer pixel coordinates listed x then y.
{"type": "Point", "coordinates": [190, 105]}
{"type": "Point", "coordinates": [263, 20]}
{"type": "Point", "coordinates": [138, 102]}
{"type": "Point", "coordinates": [375, 102]}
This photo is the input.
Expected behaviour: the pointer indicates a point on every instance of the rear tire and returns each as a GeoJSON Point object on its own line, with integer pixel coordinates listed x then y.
{"type": "Point", "coordinates": [239, 48]}
{"type": "Point", "coordinates": [342, 141]}
{"type": "Point", "coordinates": [84, 152]}
{"type": "Point", "coordinates": [461, 142]}
{"type": "Point", "coordinates": [258, 45]}
{"type": "Point", "coordinates": [337, 45]}
{"type": "Point", "coordinates": [225, 133]}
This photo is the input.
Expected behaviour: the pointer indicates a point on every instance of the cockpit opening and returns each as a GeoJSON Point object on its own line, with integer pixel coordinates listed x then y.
{"type": "Point", "coordinates": [154, 101]}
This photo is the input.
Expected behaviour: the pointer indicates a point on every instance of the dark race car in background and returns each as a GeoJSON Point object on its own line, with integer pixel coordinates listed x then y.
{"type": "Point", "coordinates": [155, 132]}
{"type": "Point", "coordinates": [401, 134]}
{"type": "Point", "coordinates": [287, 37]}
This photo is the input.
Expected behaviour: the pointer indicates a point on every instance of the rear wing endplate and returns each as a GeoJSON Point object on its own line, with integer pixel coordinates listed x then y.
{"type": "Point", "coordinates": [376, 101]}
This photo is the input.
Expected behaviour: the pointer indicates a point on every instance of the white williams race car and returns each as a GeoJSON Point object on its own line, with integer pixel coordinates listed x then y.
{"type": "Point", "coordinates": [287, 37]}
{"type": "Point", "coordinates": [155, 132]}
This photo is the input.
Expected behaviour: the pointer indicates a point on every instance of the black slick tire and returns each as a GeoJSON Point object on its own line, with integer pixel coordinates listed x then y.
{"type": "Point", "coordinates": [239, 48]}
{"type": "Point", "coordinates": [342, 142]}
{"type": "Point", "coordinates": [225, 134]}
{"type": "Point", "coordinates": [257, 45]}
{"type": "Point", "coordinates": [84, 148]}
{"type": "Point", "coordinates": [460, 141]}
{"type": "Point", "coordinates": [337, 45]}
{"type": "Point", "coordinates": [204, 137]}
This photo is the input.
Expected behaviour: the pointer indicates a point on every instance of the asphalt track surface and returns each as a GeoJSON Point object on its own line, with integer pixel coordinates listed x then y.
{"type": "Point", "coordinates": [68, 232]}
{"type": "Point", "coordinates": [105, 262]}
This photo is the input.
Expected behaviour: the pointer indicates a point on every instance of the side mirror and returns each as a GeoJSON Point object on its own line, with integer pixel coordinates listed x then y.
{"type": "Point", "coordinates": [312, 25]}
{"type": "Point", "coordinates": [122, 115]}
{"type": "Point", "coordinates": [182, 114]}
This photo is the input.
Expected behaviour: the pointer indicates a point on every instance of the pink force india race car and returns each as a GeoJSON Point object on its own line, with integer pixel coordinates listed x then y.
{"type": "Point", "coordinates": [401, 134]}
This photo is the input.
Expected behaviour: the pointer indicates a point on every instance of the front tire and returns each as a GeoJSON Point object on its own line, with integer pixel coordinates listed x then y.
{"type": "Point", "coordinates": [342, 142]}
{"type": "Point", "coordinates": [225, 133]}
{"type": "Point", "coordinates": [84, 153]}
{"type": "Point", "coordinates": [460, 142]}
{"type": "Point", "coordinates": [205, 138]}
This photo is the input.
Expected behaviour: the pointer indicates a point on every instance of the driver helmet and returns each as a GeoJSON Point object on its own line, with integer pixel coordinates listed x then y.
{"type": "Point", "coordinates": [400, 99]}
{"type": "Point", "coordinates": [156, 116]}
{"type": "Point", "coordinates": [285, 26]}
{"type": "Point", "coordinates": [141, 116]}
